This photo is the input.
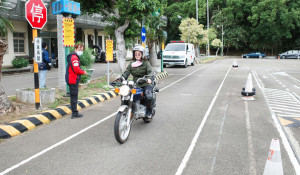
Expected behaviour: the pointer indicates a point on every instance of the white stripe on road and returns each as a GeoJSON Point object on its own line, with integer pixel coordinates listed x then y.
{"type": "Point", "coordinates": [219, 140]}
{"type": "Point", "coordinates": [56, 145]}
{"type": "Point", "coordinates": [78, 133]}
{"type": "Point", "coordinates": [195, 139]}
{"type": "Point", "coordinates": [252, 161]}
{"type": "Point", "coordinates": [284, 139]}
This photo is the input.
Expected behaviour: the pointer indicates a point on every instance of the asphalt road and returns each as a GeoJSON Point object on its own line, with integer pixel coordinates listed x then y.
{"type": "Point", "coordinates": [202, 126]}
{"type": "Point", "coordinates": [16, 81]}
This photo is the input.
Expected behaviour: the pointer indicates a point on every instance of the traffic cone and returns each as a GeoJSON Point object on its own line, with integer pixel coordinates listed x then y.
{"type": "Point", "coordinates": [248, 91]}
{"type": "Point", "coordinates": [274, 164]}
{"type": "Point", "coordinates": [234, 64]}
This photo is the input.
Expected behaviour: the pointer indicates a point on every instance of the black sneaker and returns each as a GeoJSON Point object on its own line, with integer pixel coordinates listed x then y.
{"type": "Point", "coordinates": [149, 114]}
{"type": "Point", "coordinates": [76, 116]}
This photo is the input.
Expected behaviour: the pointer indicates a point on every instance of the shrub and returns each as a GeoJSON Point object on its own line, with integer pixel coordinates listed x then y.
{"type": "Point", "coordinates": [20, 62]}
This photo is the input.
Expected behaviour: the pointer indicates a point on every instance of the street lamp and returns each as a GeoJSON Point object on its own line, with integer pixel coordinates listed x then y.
{"type": "Point", "coordinates": [222, 39]}
{"type": "Point", "coordinates": [207, 28]}
{"type": "Point", "coordinates": [197, 10]}
{"type": "Point", "coordinates": [179, 17]}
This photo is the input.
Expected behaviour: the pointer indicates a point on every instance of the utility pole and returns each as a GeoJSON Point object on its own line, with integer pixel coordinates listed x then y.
{"type": "Point", "coordinates": [207, 28]}
{"type": "Point", "coordinates": [222, 41]}
{"type": "Point", "coordinates": [189, 34]}
{"type": "Point", "coordinates": [197, 10]}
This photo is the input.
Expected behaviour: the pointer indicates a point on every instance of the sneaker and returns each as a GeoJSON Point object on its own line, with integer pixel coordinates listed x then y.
{"type": "Point", "coordinates": [149, 114]}
{"type": "Point", "coordinates": [76, 116]}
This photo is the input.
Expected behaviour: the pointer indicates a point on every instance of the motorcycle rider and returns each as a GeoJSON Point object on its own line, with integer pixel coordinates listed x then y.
{"type": "Point", "coordinates": [138, 68]}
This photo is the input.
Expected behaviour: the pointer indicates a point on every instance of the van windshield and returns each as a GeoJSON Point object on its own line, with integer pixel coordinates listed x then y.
{"type": "Point", "coordinates": [175, 47]}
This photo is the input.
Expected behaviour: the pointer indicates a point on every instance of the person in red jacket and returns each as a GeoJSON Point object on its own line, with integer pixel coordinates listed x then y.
{"type": "Point", "coordinates": [73, 74]}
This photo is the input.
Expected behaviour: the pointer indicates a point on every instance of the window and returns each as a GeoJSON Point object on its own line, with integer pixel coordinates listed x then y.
{"type": "Point", "coordinates": [19, 42]}
{"type": "Point", "coordinates": [175, 47]}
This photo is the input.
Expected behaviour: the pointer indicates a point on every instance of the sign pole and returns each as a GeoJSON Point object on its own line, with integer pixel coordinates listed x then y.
{"type": "Point", "coordinates": [36, 76]}
{"type": "Point", "coordinates": [108, 73]}
{"type": "Point", "coordinates": [162, 56]}
{"type": "Point", "coordinates": [67, 51]}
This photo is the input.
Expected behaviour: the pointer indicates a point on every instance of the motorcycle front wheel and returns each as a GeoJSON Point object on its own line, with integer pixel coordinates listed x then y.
{"type": "Point", "coordinates": [121, 129]}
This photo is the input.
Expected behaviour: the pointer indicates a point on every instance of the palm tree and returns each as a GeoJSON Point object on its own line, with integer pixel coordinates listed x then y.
{"type": "Point", "coordinates": [5, 104]}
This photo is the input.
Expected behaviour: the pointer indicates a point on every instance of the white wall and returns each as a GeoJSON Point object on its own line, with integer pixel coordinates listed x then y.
{"type": "Point", "coordinates": [20, 26]}
{"type": "Point", "coordinates": [100, 33]}
{"type": "Point", "coordinates": [86, 33]}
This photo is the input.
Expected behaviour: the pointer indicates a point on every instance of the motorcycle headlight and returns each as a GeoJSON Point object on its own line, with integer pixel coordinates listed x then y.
{"type": "Point", "coordinates": [124, 90]}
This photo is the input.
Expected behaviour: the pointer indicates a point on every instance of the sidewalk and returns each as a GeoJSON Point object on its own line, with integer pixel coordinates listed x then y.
{"type": "Point", "coordinates": [25, 124]}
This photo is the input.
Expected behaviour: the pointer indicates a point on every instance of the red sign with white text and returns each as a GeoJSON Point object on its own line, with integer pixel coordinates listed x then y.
{"type": "Point", "coordinates": [36, 13]}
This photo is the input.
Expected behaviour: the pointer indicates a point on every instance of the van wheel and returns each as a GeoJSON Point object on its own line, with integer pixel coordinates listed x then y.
{"type": "Point", "coordinates": [164, 66]}
{"type": "Point", "coordinates": [185, 65]}
{"type": "Point", "coordinates": [193, 63]}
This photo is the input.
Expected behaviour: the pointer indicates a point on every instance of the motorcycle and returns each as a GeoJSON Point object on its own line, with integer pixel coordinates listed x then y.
{"type": "Point", "coordinates": [133, 107]}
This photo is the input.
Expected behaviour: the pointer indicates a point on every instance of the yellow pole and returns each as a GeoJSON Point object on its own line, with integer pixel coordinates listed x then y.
{"type": "Point", "coordinates": [36, 76]}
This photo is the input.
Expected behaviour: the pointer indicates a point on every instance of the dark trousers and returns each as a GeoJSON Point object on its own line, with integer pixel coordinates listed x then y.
{"type": "Point", "coordinates": [149, 96]}
{"type": "Point", "coordinates": [74, 97]}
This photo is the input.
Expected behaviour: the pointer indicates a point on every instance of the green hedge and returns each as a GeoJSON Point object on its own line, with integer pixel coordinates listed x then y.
{"type": "Point", "coordinates": [20, 62]}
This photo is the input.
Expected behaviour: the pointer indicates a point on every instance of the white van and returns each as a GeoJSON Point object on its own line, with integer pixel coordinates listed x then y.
{"type": "Point", "coordinates": [179, 53]}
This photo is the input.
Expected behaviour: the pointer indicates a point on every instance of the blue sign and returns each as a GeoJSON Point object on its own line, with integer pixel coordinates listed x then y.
{"type": "Point", "coordinates": [143, 34]}
{"type": "Point", "coordinates": [65, 6]}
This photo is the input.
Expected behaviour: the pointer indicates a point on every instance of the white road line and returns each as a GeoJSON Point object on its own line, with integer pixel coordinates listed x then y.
{"type": "Point", "coordinates": [286, 107]}
{"type": "Point", "coordinates": [56, 145]}
{"type": "Point", "coordinates": [219, 140]}
{"type": "Point", "coordinates": [284, 139]}
{"type": "Point", "coordinates": [288, 116]}
{"type": "Point", "coordinates": [281, 98]}
{"type": "Point", "coordinates": [195, 139]}
{"type": "Point", "coordinates": [283, 112]}
{"type": "Point", "coordinates": [287, 102]}
{"type": "Point", "coordinates": [78, 133]}
{"type": "Point", "coordinates": [296, 105]}
{"type": "Point", "coordinates": [184, 77]}
{"type": "Point", "coordinates": [252, 161]}
{"type": "Point", "coordinates": [278, 95]}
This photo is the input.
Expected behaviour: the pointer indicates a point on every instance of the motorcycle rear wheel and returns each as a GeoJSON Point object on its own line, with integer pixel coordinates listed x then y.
{"type": "Point", "coordinates": [121, 130]}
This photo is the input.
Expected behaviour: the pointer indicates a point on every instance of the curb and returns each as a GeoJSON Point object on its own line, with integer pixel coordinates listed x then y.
{"type": "Point", "coordinates": [28, 123]}
{"type": "Point", "coordinates": [207, 60]}
{"type": "Point", "coordinates": [17, 70]}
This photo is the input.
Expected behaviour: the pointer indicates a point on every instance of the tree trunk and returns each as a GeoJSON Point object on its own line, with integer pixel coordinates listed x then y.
{"type": "Point", "coordinates": [5, 104]}
{"type": "Point", "coordinates": [217, 52]}
{"type": "Point", "coordinates": [152, 54]}
{"type": "Point", "coordinates": [197, 51]}
{"type": "Point", "coordinates": [121, 54]}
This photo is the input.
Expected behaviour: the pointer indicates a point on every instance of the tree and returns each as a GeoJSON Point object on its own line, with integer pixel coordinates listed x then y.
{"type": "Point", "coordinates": [217, 44]}
{"type": "Point", "coordinates": [154, 34]}
{"type": "Point", "coordinates": [120, 13]}
{"type": "Point", "coordinates": [5, 104]}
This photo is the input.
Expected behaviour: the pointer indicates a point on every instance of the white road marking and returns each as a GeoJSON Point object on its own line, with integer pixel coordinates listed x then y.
{"type": "Point", "coordinates": [252, 161]}
{"type": "Point", "coordinates": [286, 107]}
{"type": "Point", "coordinates": [186, 94]}
{"type": "Point", "coordinates": [284, 139]}
{"type": "Point", "coordinates": [219, 140]}
{"type": "Point", "coordinates": [283, 103]}
{"type": "Point", "coordinates": [56, 145]}
{"type": "Point", "coordinates": [195, 139]}
{"type": "Point", "coordinates": [80, 132]}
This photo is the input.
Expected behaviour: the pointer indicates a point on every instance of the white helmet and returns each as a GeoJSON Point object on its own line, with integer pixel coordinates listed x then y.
{"type": "Point", "coordinates": [138, 48]}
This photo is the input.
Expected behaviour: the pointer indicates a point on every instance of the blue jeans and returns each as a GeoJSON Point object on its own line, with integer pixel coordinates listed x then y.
{"type": "Point", "coordinates": [42, 77]}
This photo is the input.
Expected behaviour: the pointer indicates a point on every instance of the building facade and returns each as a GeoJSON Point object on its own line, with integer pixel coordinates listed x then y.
{"type": "Point", "coordinates": [88, 29]}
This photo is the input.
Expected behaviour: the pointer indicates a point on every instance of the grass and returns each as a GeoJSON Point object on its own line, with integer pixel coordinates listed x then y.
{"type": "Point", "coordinates": [13, 98]}
{"type": "Point", "coordinates": [94, 87]}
